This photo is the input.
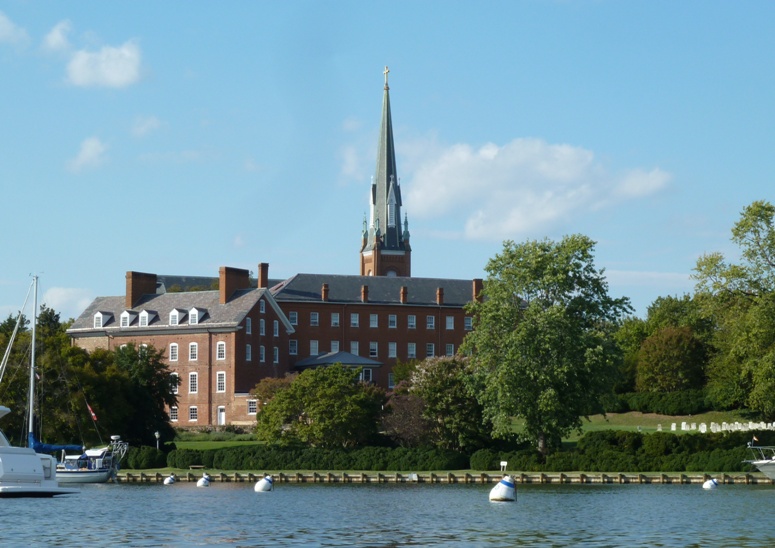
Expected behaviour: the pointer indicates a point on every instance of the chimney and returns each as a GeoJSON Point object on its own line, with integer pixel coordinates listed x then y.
{"type": "Point", "coordinates": [439, 295]}
{"type": "Point", "coordinates": [364, 293]}
{"type": "Point", "coordinates": [324, 292]}
{"type": "Point", "coordinates": [404, 294]}
{"type": "Point", "coordinates": [230, 280]}
{"type": "Point", "coordinates": [477, 290]}
{"type": "Point", "coordinates": [137, 285]}
{"type": "Point", "coordinates": [263, 275]}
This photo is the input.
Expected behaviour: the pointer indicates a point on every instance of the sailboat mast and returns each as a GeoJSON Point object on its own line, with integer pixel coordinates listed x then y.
{"type": "Point", "coordinates": [32, 354]}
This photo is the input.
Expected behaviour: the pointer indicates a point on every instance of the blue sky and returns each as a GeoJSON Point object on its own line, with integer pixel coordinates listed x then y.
{"type": "Point", "coordinates": [177, 137]}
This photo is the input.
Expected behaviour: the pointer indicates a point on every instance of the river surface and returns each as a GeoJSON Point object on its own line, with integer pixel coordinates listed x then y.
{"type": "Point", "coordinates": [388, 515]}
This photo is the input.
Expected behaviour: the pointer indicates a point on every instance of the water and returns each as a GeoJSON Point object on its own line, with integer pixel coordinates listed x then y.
{"type": "Point", "coordinates": [388, 515]}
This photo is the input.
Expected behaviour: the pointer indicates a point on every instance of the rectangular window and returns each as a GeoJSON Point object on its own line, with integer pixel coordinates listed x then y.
{"type": "Point", "coordinates": [411, 351]}
{"type": "Point", "coordinates": [450, 322]}
{"type": "Point", "coordinates": [220, 350]}
{"type": "Point", "coordinates": [193, 415]}
{"type": "Point", "coordinates": [124, 320]}
{"type": "Point", "coordinates": [248, 353]}
{"type": "Point", "coordinates": [276, 328]}
{"type": "Point", "coordinates": [143, 320]}
{"type": "Point", "coordinates": [354, 347]}
{"type": "Point", "coordinates": [373, 349]}
{"type": "Point", "coordinates": [293, 317]}
{"type": "Point", "coordinates": [97, 321]}
{"type": "Point", "coordinates": [193, 317]}
{"type": "Point", "coordinates": [373, 320]}
{"type": "Point", "coordinates": [192, 383]}
{"type": "Point", "coordinates": [248, 326]}
{"type": "Point", "coordinates": [391, 350]}
{"type": "Point", "coordinates": [365, 375]}
{"type": "Point", "coordinates": [262, 306]}
{"type": "Point", "coordinates": [173, 352]}
{"type": "Point", "coordinates": [174, 413]}
{"type": "Point", "coordinates": [334, 319]}
{"type": "Point", "coordinates": [313, 348]}
{"type": "Point", "coordinates": [261, 327]}
{"type": "Point", "coordinates": [293, 347]}
{"type": "Point", "coordinates": [411, 321]}
{"type": "Point", "coordinates": [391, 381]}
{"type": "Point", "coordinates": [430, 322]}
{"type": "Point", "coordinates": [275, 355]}
{"type": "Point", "coordinates": [252, 407]}
{"type": "Point", "coordinates": [334, 346]}
{"type": "Point", "coordinates": [220, 381]}
{"type": "Point", "coordinates": [174, 317]}
{"type": "Point", "coordinates": [430, 350]}
{"type": "Point", "coordinates": [450, 349]}
{"type": "Point", "coordinates": [314, 320]}
{"type": "Point", "coordinates": [261, 354]}
{"type": "Point", "coordinates": [468, 324]}
{"type": "Point", "coordinates": [193, 352]}
{"type": "Point", "coordinates": [354, 319]}
{"type": "Point", "coordinates": [392, 321]}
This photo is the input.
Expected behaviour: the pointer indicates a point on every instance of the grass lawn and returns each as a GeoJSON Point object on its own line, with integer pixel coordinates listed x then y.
{"type": "Point", "coordinates": [649, 422]}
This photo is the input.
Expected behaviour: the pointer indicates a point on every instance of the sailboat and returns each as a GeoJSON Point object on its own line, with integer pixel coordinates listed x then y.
{"type": "Point", "coordinates": [23, 471]}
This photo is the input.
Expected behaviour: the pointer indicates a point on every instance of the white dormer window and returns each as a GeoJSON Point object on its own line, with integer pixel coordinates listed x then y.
{"type": "Point", "coordinates": [101, 319]}
{"type": "Point", "coordinates": [195, 315]}
{"type": "Point", "coordinates": [146, 317]}
{"type": "Point", "coordinates": [175, 317]}
{"type": "Point", "coordinates": [128, 318]}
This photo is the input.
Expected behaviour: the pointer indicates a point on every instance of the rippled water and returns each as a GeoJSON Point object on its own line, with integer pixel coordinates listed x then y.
{"type": "Point", "coordinates": [393, 515]}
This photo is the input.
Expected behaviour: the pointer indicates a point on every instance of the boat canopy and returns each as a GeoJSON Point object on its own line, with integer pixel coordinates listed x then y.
{"type": "Point", "coordinates": [40, 447]}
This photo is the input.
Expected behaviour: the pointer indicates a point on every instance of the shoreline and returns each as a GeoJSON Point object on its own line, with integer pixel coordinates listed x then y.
{"type": "Point", "coordinates": [452, 478]}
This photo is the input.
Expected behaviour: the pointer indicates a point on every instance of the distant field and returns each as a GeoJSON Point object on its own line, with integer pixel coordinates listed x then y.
{"type": "Point", "coordinates": [649, 422]}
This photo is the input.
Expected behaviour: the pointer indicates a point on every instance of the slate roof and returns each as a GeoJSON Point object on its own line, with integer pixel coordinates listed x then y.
{"type": "Point", "coordinates": [345, 358]}
{"type": "Point", "coordinates": [227, 315]}
{"type": "Point", "coordinates": [382, 289]}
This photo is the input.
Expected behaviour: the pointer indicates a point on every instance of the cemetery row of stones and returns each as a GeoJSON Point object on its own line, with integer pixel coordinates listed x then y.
{"type": "Point", "coordinates": [604, 451]}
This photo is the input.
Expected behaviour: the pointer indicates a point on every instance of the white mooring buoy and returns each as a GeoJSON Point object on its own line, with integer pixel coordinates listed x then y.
{"type": "Point", "coordinates": [264, 484]}
{"type": "Point", "coordinates": [504, 491]}
{"type": "Point", "coordinates": [710, 484]}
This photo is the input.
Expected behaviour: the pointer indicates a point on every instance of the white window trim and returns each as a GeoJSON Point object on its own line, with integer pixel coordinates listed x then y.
{"type": "Point", "coordinates": [173, 357]}
{"type": "Point", "coordinates": [220, 377]}
{"type": "Point", "coordinates": [220, 345]}
{"type": "Point", "coordinates": [195, 378]}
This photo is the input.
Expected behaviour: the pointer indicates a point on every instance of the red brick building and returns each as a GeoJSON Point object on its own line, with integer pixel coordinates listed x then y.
{"type": "Point", "coordinates": [222, 342]}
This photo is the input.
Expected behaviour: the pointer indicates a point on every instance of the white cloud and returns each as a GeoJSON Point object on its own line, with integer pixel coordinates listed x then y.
{"type": "Point", "coordinates": [109, 67]}
{"type": "Point", "coordinates": [91, 154]}
{"type": "Point", "coordinates": [68, 302]}
{"type": "Point", "coordinates": [251, 165]}
{"type": "Point", "coordinates": [352, 167]}
{"type": "Point", "coordinates": [11, 33]}
{"type": "Point", "coordinates": [56, 40]}
{"type": "Point", "coordinates": [144, 126]}
{"type": "Point", "coordinates": [516, 189]}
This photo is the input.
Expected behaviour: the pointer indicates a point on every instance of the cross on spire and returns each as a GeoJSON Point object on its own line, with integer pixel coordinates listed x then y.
{"type": "Point", "coordinates": [385, 72]}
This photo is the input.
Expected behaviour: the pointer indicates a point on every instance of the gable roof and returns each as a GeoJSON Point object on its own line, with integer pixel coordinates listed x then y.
{"type": "Point", "coordinates": [216, 315]}
{"type": "Point", "coordinates": [331, 358]}
{"type": "Point", "coordinates": [382, 289]}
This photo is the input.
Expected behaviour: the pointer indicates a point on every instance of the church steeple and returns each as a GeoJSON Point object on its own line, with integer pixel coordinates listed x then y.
{"type": "Point", "coordinates": [385, 249]}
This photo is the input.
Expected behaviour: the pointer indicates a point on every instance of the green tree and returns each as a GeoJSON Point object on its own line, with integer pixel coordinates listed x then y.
{"type": "Point", "coordinates": [324, 407]}
{"type": "Point", "coordinates": [739, 297]}
{"type": "Point", "coordinates": [542, 339]}
{"type": "Point", "coordinates": [451, 408]}
{"type": "Point", "coordinates": [148, 388]}
{"type": "Point", "coordinates": [671, 359]}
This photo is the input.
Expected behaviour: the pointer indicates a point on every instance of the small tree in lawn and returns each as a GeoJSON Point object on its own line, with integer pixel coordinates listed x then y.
{"type": "Point", "coordinates": [324, 407]}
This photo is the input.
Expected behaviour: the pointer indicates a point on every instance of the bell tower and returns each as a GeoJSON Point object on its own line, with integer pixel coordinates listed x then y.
{"type": "Point", "coordinates": [385, 249]}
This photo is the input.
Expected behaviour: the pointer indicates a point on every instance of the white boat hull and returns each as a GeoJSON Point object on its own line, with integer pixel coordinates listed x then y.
{"type": "Point", "coordinates": [766, 467]}
{"type": "Point", "coordinates": [84, 476]}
